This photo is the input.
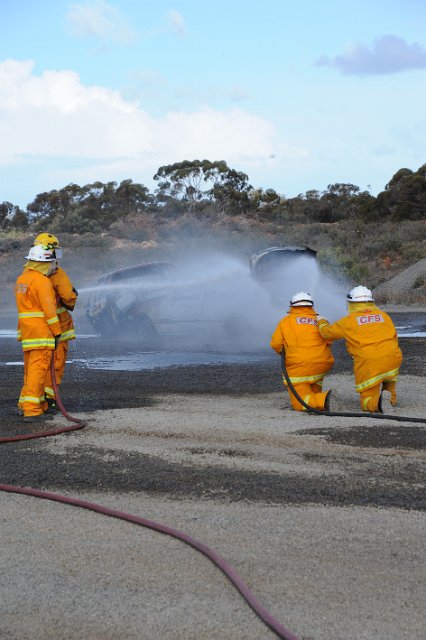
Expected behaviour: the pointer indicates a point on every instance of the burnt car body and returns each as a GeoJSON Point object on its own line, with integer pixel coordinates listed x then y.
{"type": "Point", "coordinates": [157, 299]}
{"type": "Point", "coordinates": [274, 267]}
{"type": "Point", "coordinates": [117, 307]}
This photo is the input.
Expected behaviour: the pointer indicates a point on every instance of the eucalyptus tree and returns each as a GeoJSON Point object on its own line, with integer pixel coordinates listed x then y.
{"type": "Point", "coordinates": [193, 181]}
{"type": "Point", "coordinates": [11, 216]}
{"type": "Point", "coordinates": [92, 207]}
{"type": "Point", "coordinates": [404, 197]}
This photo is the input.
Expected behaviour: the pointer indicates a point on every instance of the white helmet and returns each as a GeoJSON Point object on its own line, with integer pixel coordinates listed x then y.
{"type": "Point", "coordinates": [302, 299]}
{"type": "Point", "coordinates": [360, 294]}
{"type": "Point", "coordinates": [40, 254]}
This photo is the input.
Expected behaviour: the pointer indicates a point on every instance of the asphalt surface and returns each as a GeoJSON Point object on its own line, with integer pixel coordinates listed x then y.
{"type": "Point", "coordinates": [324, 517]}
{"type": "Point", "coordinates": [86, 390]}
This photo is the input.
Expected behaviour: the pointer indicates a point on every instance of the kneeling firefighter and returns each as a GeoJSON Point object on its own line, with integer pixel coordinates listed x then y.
{"type": "Point", "coordinates": [372, 342]}
{"type": "Point", "coordinates": [307, 354]}
{"type": "Point", "coordinates": [39, 329]}
{"type": "Point", "coordinates": [66, 297]}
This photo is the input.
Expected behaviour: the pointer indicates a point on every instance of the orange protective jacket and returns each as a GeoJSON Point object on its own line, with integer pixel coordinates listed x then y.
{"type": "Point", "coordinates": [66, 298]}
{"type": "Point", "coordinates": [308, 355]}
{"type": "Point", "coordinates": [371, 340]}
{"type": "Point", "coordinates": [38, 322]}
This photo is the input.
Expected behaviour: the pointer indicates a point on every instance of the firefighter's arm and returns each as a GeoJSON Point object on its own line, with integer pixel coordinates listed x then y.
{"type": "Point", "coordinates": [64, 289]}
{"type": "Point", "coordinates": [277, 340]}
{"type": "Point", "coordinates": [330, 331]}
{"type": "Point", "coordinates": [47, 299]}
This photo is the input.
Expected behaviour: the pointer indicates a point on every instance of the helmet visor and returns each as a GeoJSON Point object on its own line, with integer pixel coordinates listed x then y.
{"type": "Point", "coordinates": [57, 252]}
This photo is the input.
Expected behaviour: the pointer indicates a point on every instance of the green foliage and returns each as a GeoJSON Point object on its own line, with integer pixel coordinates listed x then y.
{"type": "Point", "coordinates": [88, 209]}
{"type": "Point", "coordinates": [265, 203]}
{"type": "Point", "coordinates": [12, 217]}
{"type": "Point", "coordinates": [193, 181]}
{"type": "Point", "coordinates": [419, 282]}
{"type": "Point", "coordinates": [342, 266]}
{"type": "Point", "coordinates": [183, 180]}
{"type": "Point", "coordinates": [358, 237]}
{"type": "Point", "coordinates": [404, 197]}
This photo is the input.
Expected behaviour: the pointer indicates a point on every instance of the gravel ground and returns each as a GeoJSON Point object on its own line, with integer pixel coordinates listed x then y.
{"type": "Point", "coordinates": [410, 280]}
{"type": "Point", "coordinates": [324, 518]}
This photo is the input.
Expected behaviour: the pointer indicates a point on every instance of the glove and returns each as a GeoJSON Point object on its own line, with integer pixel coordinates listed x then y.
{"type": "Point", "coordinates": [57, 340]}
{"type": "Point", "coordinates": [321, 318]}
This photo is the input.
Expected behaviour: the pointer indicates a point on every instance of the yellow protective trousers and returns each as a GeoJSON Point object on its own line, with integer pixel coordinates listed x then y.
{"type": "Point", "coordinates": [372, 341]}
{"type": "Point", "coordinates": [36, 365]}
{"type": "Point", "coordinates": [310, 392]}
{"type": "Point", "coordinates": [59, 359]}
{"type": "Point", "coordinates": [369, 398]}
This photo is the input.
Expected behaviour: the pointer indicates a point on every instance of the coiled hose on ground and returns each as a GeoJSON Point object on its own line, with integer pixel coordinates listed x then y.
{"type": "Point", "coordinates": [345, 414]}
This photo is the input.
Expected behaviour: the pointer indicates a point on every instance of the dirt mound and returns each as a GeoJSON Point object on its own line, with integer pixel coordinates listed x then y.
{"type": "Point", "coordinates": [408, 287]}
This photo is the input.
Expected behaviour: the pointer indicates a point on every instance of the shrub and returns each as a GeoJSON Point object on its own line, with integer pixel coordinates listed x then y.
{"type": "Point", "coordinates": [419, 282]}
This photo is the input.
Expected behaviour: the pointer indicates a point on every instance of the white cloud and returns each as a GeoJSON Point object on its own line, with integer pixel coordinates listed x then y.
{"type": "Point", "coordinates": [98, 19]}
{"type": "Point", "coordinates": [389, 54]}
{"type": "Point", "coordinates": [55, 117]}
{"type": "Point", "coordinates": [177, 23]}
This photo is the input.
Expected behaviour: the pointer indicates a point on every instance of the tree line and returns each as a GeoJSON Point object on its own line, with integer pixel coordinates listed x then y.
{"type": "Point", "coordinates": [211, 190]}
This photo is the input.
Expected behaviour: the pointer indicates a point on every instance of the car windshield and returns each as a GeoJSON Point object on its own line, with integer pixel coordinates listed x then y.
{"type": "Point", "coordinates": [141, 271]}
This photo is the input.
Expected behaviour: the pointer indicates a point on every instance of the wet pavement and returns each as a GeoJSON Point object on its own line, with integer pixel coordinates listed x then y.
{"type": "Point", "coordinates": [111, 374]}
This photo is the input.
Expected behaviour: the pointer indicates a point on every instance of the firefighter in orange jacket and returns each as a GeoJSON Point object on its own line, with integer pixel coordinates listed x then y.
{"type": "Point", "coordinates": [372, 342]}
{"type": "Point", "coordinates": [38, 329]}
{"type": "Point", "coordinates": [307, 355]}
{"type": "Point", "coordinates": [66, 297]}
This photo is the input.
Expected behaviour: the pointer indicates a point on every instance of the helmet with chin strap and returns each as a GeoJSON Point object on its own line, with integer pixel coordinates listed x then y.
{"type": "Point", "coordinates": [302, 299]}
{"type": "Point", "coordinates": [40, 254]}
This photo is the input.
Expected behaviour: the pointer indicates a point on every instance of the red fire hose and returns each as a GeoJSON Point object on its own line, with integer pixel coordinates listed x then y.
{"type": "Point", "coordinates": [220, 562]}
{"type": "Point", "coordinates": [212, 555]}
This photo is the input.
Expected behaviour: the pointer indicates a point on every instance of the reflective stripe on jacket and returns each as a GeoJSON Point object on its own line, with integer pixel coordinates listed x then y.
{"type": "Point", "coordinates": [308, 355]}
{"type": "Point", "coordinates": [65, 295]}
{"type": "Point", "coordinates": [372, 342]}
{"type": "Point", "coordinates": [38, 323]}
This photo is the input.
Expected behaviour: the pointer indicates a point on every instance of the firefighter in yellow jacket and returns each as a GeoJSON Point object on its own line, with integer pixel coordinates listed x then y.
{"type": "Point", "coordinates": [38, 329]}
{"type": "Point", "coordinates": [372, 342]}
{"type": "Point", "coordinates": [66, 297]}
{"type": "Point", "coordinates": [307, 355]}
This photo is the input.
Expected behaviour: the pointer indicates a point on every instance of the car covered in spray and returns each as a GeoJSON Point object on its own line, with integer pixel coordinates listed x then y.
{"type": "Point", "coordinates": [222, 300]}
{"type": "Point", "coordinates": [265, 263]}
{"type": "Point", "coordinates": [125, 302]}
{"type": "Point", "coordinates": [274, 267]}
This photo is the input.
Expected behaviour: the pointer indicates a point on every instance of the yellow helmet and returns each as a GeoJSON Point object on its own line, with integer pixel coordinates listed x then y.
{"type": "Point", "coordinates": [48, 240]}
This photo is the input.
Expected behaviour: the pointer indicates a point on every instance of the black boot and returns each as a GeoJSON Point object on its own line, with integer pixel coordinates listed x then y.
{"type": "Point", "coordinates": [51, 406]}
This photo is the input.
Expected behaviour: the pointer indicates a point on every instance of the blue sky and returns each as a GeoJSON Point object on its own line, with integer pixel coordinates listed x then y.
{"type": "Point", "coordinates": [298, 95]}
